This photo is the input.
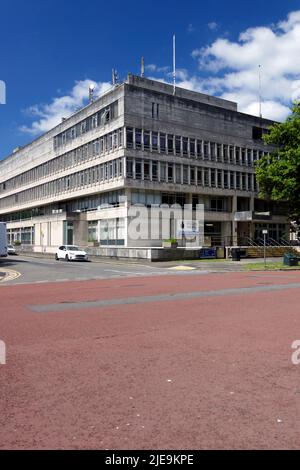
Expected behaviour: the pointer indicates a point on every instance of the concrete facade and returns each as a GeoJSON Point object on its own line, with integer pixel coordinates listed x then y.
{"type": "Point", "coordinates": [138, 144]}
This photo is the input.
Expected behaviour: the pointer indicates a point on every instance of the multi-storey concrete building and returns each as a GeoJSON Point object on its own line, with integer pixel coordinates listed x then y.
{"type": "Point", "coordinates": [139, 143]}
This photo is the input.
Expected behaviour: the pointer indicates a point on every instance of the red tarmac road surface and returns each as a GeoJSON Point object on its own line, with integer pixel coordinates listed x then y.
{"type": "Point", "coordinates": [198, 373]}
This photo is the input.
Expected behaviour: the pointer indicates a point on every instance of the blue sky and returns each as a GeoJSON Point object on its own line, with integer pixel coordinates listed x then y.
{"type": "Point", "coordinates": [51, 50]}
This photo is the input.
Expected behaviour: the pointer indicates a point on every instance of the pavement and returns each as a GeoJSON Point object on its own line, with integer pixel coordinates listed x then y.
{"type": "Point", "coordinates": [145, 361]}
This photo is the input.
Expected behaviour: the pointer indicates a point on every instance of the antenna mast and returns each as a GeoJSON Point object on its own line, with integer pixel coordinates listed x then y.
{"type": "Point", "coordinates": [142, 67]}
{"type": "Point", "coordinates": [174, 64]}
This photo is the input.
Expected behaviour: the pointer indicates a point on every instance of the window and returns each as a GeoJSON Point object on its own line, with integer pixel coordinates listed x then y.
{"type": "Point", "coordinates": [178, 144]}
{"type": "Point", "coordinates": [225, 153]}
{"type": "Point", "coordinates": [138, 169]}
{"type": "Point", "coordinates": [199, 148]}
{"type": "Point", "coordinates": [206, 177]}
{"type": "Point", "coordinates": [206, 150]}
{"type": "Point", "coordinates": [185, 145]}
{"type": "Point", "coordinates": [219, 152]}
{"type": "Point", "coordinates": [213, 178]}
{"type": "Point", "coordinates": [170, 144]}
{"type": "Point", "coordinates": [199, 176]}
{"type": "Point", "coordinates": [146, 170]}
{"type": "Point", "coordinates": [225, 179]}
{"type": "Point", "coordinates": [231, 154]}
{"type": "Point", "coordinates": [154, 140]}
{"type": "Point", "coordinates": [163, 171]}
{"type": "Point", "coordinates": [185, 174]}
{"type": "Point", "coordinates": [192, 147]}
{"type": "Point", "coordinates": [162, 142]}
{"type": "Point", "coordinates": [138, 138]}
{"type": "Point", "coordinates": [129, 137]}
{"type": "Point", "coordinates": [93, 231]}
{"type": "Point", "coordinates": [231, 180]}
{"type": "Point", "coordinates": [170, 172]}
{"type": "Point", "coordinates": [218, 205]}
{"type": "Point", "coordinates": [146, 140]}
{"type": "Point", "coordinates": [178, 174]}
{"type": "Point", "coordinates": [212, 151]}
{"type": "Point", "coordinates": [192, 175]}
{"type": "Point", "coordinates": [129, 168]}
{"type": "Point", "coordinates": [154, 171]}
{"type": "Point", "coordinates": [219, 175]}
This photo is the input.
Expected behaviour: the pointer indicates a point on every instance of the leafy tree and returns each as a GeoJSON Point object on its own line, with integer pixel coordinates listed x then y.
{"type": "Point", "coordinates": [278, 175]}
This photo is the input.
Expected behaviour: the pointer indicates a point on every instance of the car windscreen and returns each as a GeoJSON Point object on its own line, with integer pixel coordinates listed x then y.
{"type": "Point", "coordinates": [73, 248]}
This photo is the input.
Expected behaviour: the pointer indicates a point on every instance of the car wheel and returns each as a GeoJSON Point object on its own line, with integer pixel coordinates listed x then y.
{"type": "Point", "coordinates": [67, 258]}
{"type": "Point", "coordinates": [56, 257]}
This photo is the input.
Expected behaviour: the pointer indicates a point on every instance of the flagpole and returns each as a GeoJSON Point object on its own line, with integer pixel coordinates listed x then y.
{"type": "Point", "coordinates": [174, 64]}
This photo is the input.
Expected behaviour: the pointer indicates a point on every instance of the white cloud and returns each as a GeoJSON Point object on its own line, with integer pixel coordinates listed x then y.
{"type": "Point", "coordinates": [212, 25]}
{"type": "Point", "coordinates": [150, 67]}
{"type": "Point", "coordinates": [154, 68]}
{"type": "Point", "coordinates": [49, 115]}
{"type": "Point", "coordinates": [233, 67]}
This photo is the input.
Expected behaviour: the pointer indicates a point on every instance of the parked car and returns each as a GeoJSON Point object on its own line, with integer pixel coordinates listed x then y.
{"type": "Point", "coordinates": [11, 250]}
{"type": "Point", "coordinates": [70, 253]}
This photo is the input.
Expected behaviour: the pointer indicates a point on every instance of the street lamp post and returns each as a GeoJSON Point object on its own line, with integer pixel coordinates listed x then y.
{"type": "Point", "coordinates": [265, 233]}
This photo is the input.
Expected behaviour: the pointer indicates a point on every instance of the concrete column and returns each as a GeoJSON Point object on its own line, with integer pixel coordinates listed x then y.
{"type": "Point", "coordinates": [124, 138]}
{"type": "Point", "coordinates": [142, 139]}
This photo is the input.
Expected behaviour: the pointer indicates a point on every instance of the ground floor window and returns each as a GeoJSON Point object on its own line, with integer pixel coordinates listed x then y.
{"type": "Point", "coordinates": [277, 232]}
{"type": "Point", "coordinates": [112, 231]}
{"type": "Point", "coordinates": [24, 235]}
{"type": "Point", "coordinates": [93, 231]}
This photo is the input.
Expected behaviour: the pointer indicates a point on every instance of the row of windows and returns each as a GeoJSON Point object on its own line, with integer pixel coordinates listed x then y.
{"type": "Point", "coordinates": [105, 144]}
{"type": "Point", "coordinates": [141, 139]}
{"type": "Point", "coordinates": [99, 119]}
{"type": "Point", "coordinates": [100, 173]}
{"type": "Point", "coordinates": [24, 235]}
{"type": "Point", "coordinates": [187, 174]}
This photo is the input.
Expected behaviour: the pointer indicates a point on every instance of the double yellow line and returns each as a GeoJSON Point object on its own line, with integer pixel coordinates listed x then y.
{"type": "Point", "coordinates": [10, 275]}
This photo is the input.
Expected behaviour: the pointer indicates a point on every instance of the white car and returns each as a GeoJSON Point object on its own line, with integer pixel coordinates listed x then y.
{"type": "Point", "coordinates": [70, 253]}
{"type": "Point", "coordinates": [11, 250]}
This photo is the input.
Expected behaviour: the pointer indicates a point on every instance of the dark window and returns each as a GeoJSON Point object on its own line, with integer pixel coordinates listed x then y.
{"type": "Point", "coordinates": [178, 144]}
{"type": "Point", "coordinates": [146, 140]}
{"type": "Point", "coordinates": [129, 137]}
{"type": "Point", "coordinates": [138, 138]}
{"type": "Point", "coordinates": [170, 143]}
{"type": "Point", "coordinates": [146, 170]}
{"type": "Point", "coordinates": [162, 140]}
{"type": "Point", "coordinates": [192, 147]}
{"type": "Point", "coordinates": [154, 140]}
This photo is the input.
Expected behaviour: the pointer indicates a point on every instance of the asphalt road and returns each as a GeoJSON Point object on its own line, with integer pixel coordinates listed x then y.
{"type": "Point", "coordinates": [26, 269]}
{"type": "Point", "coordinates": [151, 362]}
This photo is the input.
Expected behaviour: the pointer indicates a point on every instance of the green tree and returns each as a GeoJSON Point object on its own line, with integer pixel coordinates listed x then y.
{"type": "Point", "coordinates": [278, 175]}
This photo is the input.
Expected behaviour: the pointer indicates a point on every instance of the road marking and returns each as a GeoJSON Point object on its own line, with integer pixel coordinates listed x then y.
{"type": "Point", "coordinates": [10, 275]}
{"type": "Point", "coordinates": [182, 268]}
